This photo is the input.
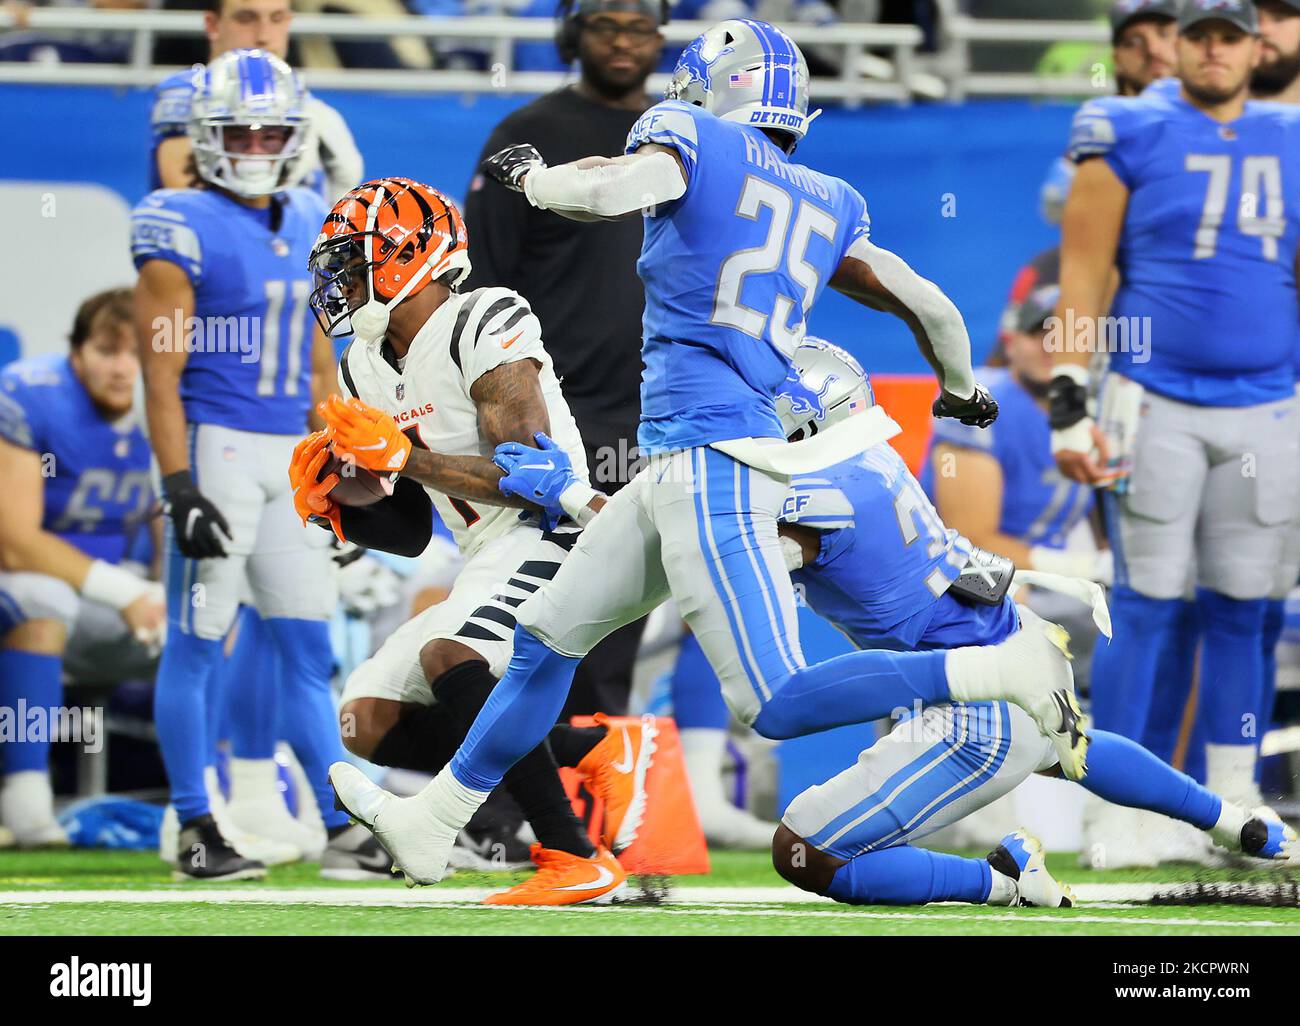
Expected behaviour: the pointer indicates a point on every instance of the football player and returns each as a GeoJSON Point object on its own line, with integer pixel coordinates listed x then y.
{"type": "Point", "coordinates": [925, 586]}
{"type": "Point", "coordinates": [434, 380]}
{"type": "Point", "coordinates": [1185, 192]}
{"type": "Point", "coordinates": [231, 361]}
{"type": "Point", "coordinates": [739, 242]}
{"type": "Point", "coordinates": [75, 462]}
{"type": "Point", "coordinates": [331, 162]}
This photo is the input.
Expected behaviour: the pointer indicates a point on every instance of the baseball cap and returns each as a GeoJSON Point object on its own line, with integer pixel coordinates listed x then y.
{"type": "Point", "coordinates": [1038, 306]}
{"type": "Point", "coordinates": [1124, 12]}
{"type": "Point", "coordinates": [1235, 12]}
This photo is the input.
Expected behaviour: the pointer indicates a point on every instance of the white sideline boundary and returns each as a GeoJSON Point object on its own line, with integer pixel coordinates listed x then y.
{"type": "Point", "coordinates": [1115, 899]}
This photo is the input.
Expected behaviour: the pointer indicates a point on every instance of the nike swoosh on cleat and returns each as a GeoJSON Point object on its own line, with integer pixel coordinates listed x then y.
{"type": "Point", "coordinates": [625, 764]}
{"type": "Point", "coordinates": [603, 879]}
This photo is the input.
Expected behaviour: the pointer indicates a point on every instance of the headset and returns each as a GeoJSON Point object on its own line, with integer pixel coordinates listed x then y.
{"type": "Point", "coordinates": [570, 25]}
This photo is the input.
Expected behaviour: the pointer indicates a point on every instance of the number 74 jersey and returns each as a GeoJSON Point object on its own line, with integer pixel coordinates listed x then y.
{"type": "Point", "coordinates": [731, 270]}
{"type": "Point", "coordinates": [250, 334]}
{"type": "Point", "coordinates": [1206, 312]}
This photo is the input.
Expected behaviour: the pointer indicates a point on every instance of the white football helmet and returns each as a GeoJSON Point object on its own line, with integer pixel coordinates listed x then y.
{"type": "Point", "coordinates": [251, 89]}
{"type": "Point", "coordinates": [825, 386]}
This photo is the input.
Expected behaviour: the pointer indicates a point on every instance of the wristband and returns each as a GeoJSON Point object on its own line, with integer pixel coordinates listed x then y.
{"type": "Point", "coordinates": [112, 586]}
{"type": "Point", "coordinates": [793, 553]}
{"type": "Point", "coordinates": [575, 500]}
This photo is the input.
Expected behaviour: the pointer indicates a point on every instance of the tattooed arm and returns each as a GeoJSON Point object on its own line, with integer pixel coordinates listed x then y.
{"type": "Point", "coordinates": [511, 408]}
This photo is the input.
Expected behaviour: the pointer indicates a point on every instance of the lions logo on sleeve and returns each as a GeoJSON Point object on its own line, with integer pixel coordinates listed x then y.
{"type": "Point", "coordinates": [162, 229]}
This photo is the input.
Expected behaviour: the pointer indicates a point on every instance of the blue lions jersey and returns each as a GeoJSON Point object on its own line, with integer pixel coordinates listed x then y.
{"type": "Point", "coordinates": [886, 586]}
{"type": "Point", "coordinates": [1039, 505]}
{"type": "Point", "coordinates": [1208, 248]}
{"type": "Point", "coordinates": [730, 270]}
{"type": "Point", "coordinates": [169, 114]}
{"type": "Point", "coordinates": [96, 473]}
{"type": "Point", "coordinates": [250, 341]}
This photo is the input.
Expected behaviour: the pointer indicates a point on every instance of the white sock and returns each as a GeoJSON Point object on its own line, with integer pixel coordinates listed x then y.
{"type": "Point", "coordinates": [1004, 890]}
{"type": "Point", "coordinates": [26, 798]}
{"type": "Point", "coordinates": [252, 779]}
{"type": "Point", "coordinates": [974, 674]}
{"type": "Point", "coordinates": [1227, 831]}
{"type": "Point", "coordinates": [702, 749]}
{"type": "Point", "coordinates": [212, 783]}
{"type": "Point", "coordinates": [450, 801]}
{"type": "Point", "coordinates": [1230, 772]}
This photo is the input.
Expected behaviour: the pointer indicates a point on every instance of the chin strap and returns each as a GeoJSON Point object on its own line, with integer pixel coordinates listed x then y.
{"type": "Point", "coordinates": [369, 321]}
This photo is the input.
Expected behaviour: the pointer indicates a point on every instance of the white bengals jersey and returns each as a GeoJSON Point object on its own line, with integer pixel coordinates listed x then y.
{"type": "Point", "coordinates": [428, 393]}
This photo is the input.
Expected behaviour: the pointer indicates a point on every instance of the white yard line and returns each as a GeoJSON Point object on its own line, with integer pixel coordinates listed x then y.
{"type": "Point", "coordinates": [726, 901]}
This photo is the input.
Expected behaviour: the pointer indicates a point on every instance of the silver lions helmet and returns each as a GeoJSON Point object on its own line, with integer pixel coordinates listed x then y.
{"type": "Point", "coordinates": [749, 72]}
{"type": "Point", "coordinates": [237, 97]}
{"type": "Point", "coordinates": [825, 386]}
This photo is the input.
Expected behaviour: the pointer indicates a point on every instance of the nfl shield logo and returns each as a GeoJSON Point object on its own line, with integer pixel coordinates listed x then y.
{"type": "Point", "coordinates": [279, 247]}
{"type": "Point", "coordinates": [401, 390]}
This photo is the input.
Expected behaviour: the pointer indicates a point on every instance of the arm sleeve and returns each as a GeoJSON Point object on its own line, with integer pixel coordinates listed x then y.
{"type": "Point", "coordinates": [609, 190]}
{"type": "Point", "coordinates": [500, 217]}
{"type": "Point", "coordinates": [502, 329]}
{"type": "Point", "coordinates": [672, 124]}
{"type": "Point", "coordinates": [1097, 131]}
{"type": "Point", "coordinates": [942, 321]}
{"type": "Point", "coordinates": [159, 231]}
{"type": "Point", "coordinates": [401, 524]}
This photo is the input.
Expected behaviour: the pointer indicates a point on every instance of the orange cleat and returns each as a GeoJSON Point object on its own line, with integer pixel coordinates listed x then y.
{"type": "Point", "coordinates": [564, 879]}
{"type": "Point", "coordinates": [615, 770]}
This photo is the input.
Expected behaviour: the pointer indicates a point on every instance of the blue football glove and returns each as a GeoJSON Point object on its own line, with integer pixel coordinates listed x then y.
{"type": "Point", "coordinates": [539, 475]}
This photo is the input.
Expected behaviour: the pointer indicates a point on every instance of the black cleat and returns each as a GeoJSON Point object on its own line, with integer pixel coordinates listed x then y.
{"type": "Point", "coordinates": [203, 854]}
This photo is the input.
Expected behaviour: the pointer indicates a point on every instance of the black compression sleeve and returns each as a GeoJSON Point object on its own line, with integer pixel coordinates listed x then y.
{"type": "Point", "coordinates": [401, 524]}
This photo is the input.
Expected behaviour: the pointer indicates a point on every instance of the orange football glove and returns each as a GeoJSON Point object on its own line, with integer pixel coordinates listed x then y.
{"type": "Point", "coordinates": [369, 435]}
{"type": "Point", "coordinates": [310, 493]}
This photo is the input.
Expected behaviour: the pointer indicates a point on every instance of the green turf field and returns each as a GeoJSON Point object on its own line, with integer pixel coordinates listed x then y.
{"type": "Point", "coordinates": [121, 893]}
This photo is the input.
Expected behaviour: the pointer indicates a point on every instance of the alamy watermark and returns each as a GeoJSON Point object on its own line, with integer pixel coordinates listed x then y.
{"type": "Point", "coordinates": [1131, 335]}
{"type": "Point", "coordinates": [240, 335]}
{"type": "Point", "coordinates": [83, 725]}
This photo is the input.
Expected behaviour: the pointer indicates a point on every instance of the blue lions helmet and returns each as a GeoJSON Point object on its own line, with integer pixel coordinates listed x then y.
{"type": "Point", "coordinates": [749, 72]}
{"type": "Point", "coordinates": [248, 90]}
{"type": "Point", "coordinates": [825, 386]}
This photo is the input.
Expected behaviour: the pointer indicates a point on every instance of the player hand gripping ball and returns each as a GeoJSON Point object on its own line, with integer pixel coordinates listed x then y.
{"type": "Point", "coordinates": [368, 435]}
{"type": "Point", "coordinates": [509, 166]}
{"type": "Point", "coordinates": [539, 475]}
{"type": "Point", "coordinates": [311, 498]}
{"type": "Point", "coordinates": [980, 410]}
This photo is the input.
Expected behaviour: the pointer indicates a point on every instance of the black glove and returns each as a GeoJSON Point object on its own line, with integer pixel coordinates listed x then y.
{"type": "Point", "coordinates": [509, 166]}
{"type": "Point", "coordinates": [195, 520]}
{"type": "Point", "coordinates": [980, 410]}
{"type": "Point", "coordinates": [1067, 402]}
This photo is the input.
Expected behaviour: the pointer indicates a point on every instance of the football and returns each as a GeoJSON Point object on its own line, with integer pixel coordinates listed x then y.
{"type": "Point", "coordinates": [357, 486]}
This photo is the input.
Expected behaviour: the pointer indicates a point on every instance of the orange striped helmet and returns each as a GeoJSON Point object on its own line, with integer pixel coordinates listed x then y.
{"type": "Point", "coordinates": [393, 235]}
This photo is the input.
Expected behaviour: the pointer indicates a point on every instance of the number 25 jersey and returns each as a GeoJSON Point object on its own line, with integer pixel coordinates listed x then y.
{"type": "Point", "coordinates": [731, 269]}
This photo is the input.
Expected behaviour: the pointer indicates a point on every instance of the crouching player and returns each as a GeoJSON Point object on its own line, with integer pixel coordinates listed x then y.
{"type": "Point", "coordinates": [434, 380]}
{"type": "Point", "coordinates": [75, 464]}
{"type": "Point", "coordinates": [923, 586]}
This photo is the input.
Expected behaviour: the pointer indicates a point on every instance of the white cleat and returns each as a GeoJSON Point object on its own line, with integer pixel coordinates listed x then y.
{"type": "Point", "coordinates": [1020, 857]}
{"type": "Point", "coordinates": [1264, 836]}
{"type": "Point", "coordinates": [27, 809]}
{"type": "Point", "coordinates": [418, 841]}
{"type": "Point", "coordinates": [267, 817]}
